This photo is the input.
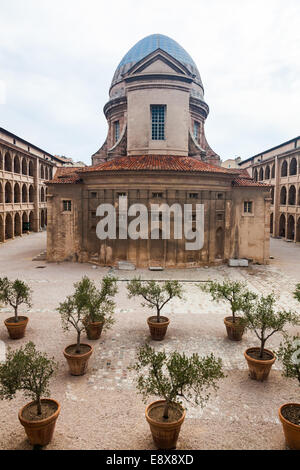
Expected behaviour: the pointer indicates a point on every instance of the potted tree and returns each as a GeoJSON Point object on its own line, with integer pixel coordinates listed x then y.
{"type": "Point", "coordinates": [73, 312]}
{"type": "Point", "coordinates": [265, 321]}
{"type": "Point", "coordinates": [15, 293]}
{"type": "Point", "coordinates": [238, 297]}
{"type": "Point", "coordinates": [156, 295]}
{"type": "Point", "coordinates": [29, 371]}
{"type": "Point", "coordinates": [100, 307]}
{"type": "Point", "coordinates": [173, 377]}
{"type": "Point", "coordinates": [289, 413]}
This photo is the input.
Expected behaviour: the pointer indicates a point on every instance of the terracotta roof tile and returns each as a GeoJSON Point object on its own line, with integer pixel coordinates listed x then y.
{"type": "Point", "coordinates": [65, 175]}
{"type": "Point", "coordinates": [246, 182]}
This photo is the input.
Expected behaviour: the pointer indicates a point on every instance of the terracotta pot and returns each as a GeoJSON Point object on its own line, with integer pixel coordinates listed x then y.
{"type": "Point", "coordinates": [259, 369]}
{"type": "Point", "coordinates": [78, 362]}
{"type": "Point", "coordinates": [291, 430]}
{"type": "Point", "coordinates": [234, 330]}
{"type": "Point", "coordinates": [40, 432]}
{"type": "Point", "coordinates": [158, 330]}
{"type": "Point", "coordinates": [165, 435]}
{"type": "Point", "coordinates": [94, 330]}
{"type": "Point", "coordinates": [16, 330]}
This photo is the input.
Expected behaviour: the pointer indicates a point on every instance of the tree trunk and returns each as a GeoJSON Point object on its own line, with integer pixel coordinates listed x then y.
{"type": "Point", "coordinates": [39, 406]}
{"type": "Point", "coordinates": [16, 315]}
{"type": "Point", "coordinates": [166, 410]}
{"type": "Point", "coordinates": [158, 315]}
{"type": "Point", "coordinates": [78, 343]}
{"type": "Point", "coordinates": [262, 347]}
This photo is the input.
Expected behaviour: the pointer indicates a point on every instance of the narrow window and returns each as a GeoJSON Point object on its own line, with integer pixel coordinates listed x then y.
{"type": "Point", "coordinates": [116, 131]}
{"type": "Point", "coordinates": [220, 196]}
{"type": "Point", "coordinates": [193, 195]}
{"type": "Point", "coordinates": [67, 206]}
{"type": "Point", "coordinates": [158, 122]}
{"type": "Point", "coordinates": [248, 207]}
{"type": "Point", "coordinates": [93, 195]}
{"type": "Point", "coordinates": [196, 130]}
{"type": "Point", "coordinates": [157, 195]}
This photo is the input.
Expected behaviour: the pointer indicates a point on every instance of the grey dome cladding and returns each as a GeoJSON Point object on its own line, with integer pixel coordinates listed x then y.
{"type": "Point", "coordinates": [150, 44]}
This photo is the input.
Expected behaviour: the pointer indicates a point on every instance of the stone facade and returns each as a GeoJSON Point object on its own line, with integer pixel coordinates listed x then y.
{"type": "Point", "coordinates": [178, 167]}
{"type": "Point", "coordinates": [280, 167]}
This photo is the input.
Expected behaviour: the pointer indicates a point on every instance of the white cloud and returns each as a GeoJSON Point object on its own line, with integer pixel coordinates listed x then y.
{"type": "Point", "coordinates": [58, 58]}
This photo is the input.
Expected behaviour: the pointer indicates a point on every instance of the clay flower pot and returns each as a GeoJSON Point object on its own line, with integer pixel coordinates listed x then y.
{"type": "Point", "coordinates": [259, 368]}
{"type": "Point", "coordinates": [234, 330]}
{"type": "Point", "coordinates": [40, 432]}
{"type": "Point", "coordinates": [16, 330]}
{"type": "Point", "coordinates": [165, 435]}
{"type": "Point", "coordinates": [158, 330]}
{"type": "Point", "coordinates": [78, 362]}
{"type": "Point", "coordinates": [291, 430]}
{"type": "Point", "coordinates": [94, 330]}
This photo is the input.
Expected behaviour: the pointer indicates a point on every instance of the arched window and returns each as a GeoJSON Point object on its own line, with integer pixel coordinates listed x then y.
{"type": "Point", "coordinates": [24, 166]}
{"type": "Point", "coordinates": [284, 167]}
{"type": "Point", "coordinates": [42, 173]}
{"type": "Point", "coordinates": [18, 229]}
{"type": "Point", "coordinates": [1, 165]}
{"type": "Point", "coordinates": [31, 221]}
{"type": "Point", "coordinates": [267, 172]}
{"type": "Point", "coordinates": [273, 171]}
{"type": "Point", "coordinates": [42, 194]}
{"type": "Point", "coordinates": [291, 228]}
{"type": "Point", "coordinates": [272, 195]}
{"type": "Point", "coordinates": [1, 193]}
{"type": "Point", "coordinates": [31, 169]}
{"type": "Point", "coordinates": [255, 175]}
{"type": "Point", "coordinates": [271, 222]}
{"type": "Point", "coordinates": [292, 195]}
{"type": "Point", "coordinates": [17, 193]}
{"type": "Point", "coordinates": [282, 226]}
{"type": "Point", "coordinates": [8, 227]}
{"type": "Point", "coordinates": [7, 162]}
{"type": "Point", "coordinates": [293, 166]}
{"type": "Point", "coordinates": [31, 194]}
{"type": "Point", "coordinates": [24, 193]}
{"type": "Point", "coordinates": [17, 168]}
{"type": "Point", "coordinates": [8, 193]}
{"type": "Point", "coordinates": [261, 174]}
{"type": "Point", "coordinates": [283, 195]}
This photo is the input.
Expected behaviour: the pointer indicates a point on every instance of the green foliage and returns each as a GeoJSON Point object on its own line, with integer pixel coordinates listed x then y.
{"type": "Point", "coordinates": [297, 292]}
{"type": "Point", "coordinates": [27, 370]}
{"type": "Point", "coordinates": [176, 376]}
{"type": "Point", "coordinates": [264, 320]}
{"type": "Point", "coordinates": [234, 292]}
{"type": "Point", "coordinates": [289, 354]}
{"type": "Point", "coordinates": [155, 294]}
{"type": "Point", "coordinates": [14, 293]}
{"type": "Point", "coordinates": [100, 306]}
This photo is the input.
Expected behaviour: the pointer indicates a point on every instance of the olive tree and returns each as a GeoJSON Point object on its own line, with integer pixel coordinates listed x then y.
{"type": "Point", "coordinates": [29, 371]}
{"type": "Point", "coordinates": [289, 354]}
{"type": "Point", "coordinates": [15, 293]}
{"type": "Point", "coordinates": [100, 305]}
{"type": "Point", "coordinates": [176, 376]}
{"type": "Point", "coordinates": [263, 318]}
{"type": "Point", "coordinates": [156, 295]}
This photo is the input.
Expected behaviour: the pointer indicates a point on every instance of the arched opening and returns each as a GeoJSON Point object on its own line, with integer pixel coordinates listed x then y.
{"type": "Point", "coordinates": [42, 218]}
{"type": "Point", "coordinates": [292, 195]}
{"type": "Point", "coordinates": [272, 195]}
{"type": "Point", "coordinates": [273, 171]}
{"type": "Point", "coordinates": [42, 194]}
{"type": "Point", "coordinates": [291, 228]}
{"type": "Point", "coordinates": [24, 166]}
{"type": "Point", "coordinates": [17, 193]}
{"type": "Point", "coordinates": [1, 229]}
{"type": "Point", "coordinates": [283, 195]}
{"type": "Point", "coordinates": [298, 231]}
{"type": "Point", "coordinates": [8, 193]}
{"type": "Point", "coordinates": [219, 243]}
{"type": "Point", "coordinates": [282, 226]}
{"type": "Point", "coordinates": [24, 193]}
{"type": "Point", "coordinates": [31, 194]}
{"type": "Point", "coordinates": [31, 168]}
{"type": "Point", "coordinates": [271, 222]}
{"type": "Point", "coordinates": [17, 168]}
{"type": "Point", "coordinates": [8, 227]}
{"type": "Point", "coordinates": [46, 173]}
{"type": "Point", "coordinates": [31, 221]}
{"type": "Point", "coordinates": [46, 221]}
{"type": "Point", "coordinates": [1, 193]}
{"type": "Point", "coordinates": [42, 173]}
{"type": "Point", "coordinates": [7, 162]}
{"type": "Point", "coordinates": [267, 172]}
{"type": "Point", "coordinates": [25, 223]}
{"type": "Point", "coordinates": [255, 175]}
{"type": "Point", "coordinates": [51, 174]}
{"type": "Point", "coordinates": [284, 167]}
{"type": "Point", "coordinates": [261, 174]}
{"type": "Point", "coordinates": [1, 161]}
{"type": "Point", "coordinates": [293, 167]}
{"type": "Point", "coordinates": [18, 230]}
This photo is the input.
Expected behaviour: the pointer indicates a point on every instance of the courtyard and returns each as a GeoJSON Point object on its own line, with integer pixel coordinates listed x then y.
{"type": "Point", "coordinates": [101, 410]}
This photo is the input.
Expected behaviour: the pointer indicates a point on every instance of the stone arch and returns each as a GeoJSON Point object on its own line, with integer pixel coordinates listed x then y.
{"type": "Point", "coordinates": [31, 193]}
{"type": "Point", "coordinates": [292, 195]}
{"type": "Point", "coordinates": [284, 168]}
{"type": "Point", "coordinates": [46, 173]}
{"type": "Point", "coordinates": [219, 243]}
{"type": "Point", "coordinates": [25, 222]}
{"type": "Point", "coordinates": [31, 221]}
{"type": "Point", "coordinates": [271, 222]}
{"type": "Point", "coordinates": [283, 195]}
{"type": "Point", "coordinates": [42, 173]}
{"type": "Point", "coordinates": [8, 193]}
{"type": "Point", "coordinates": [17, 225]}
{"type": "Point", "coordinates": [17, 166]}
{"type": "Point", "coordinates": [273, 171]}
{"type": "Point", "coordinates": [42, 218]}
{"type": "Point", "coordinates": [1, 193]}
{"type": "Point", "coordinates": [261, 174]}
{"type": "Point", "coordinates": [17, 193]}
{"type": "Point", "coordinates": [31, 168]}
{"type": "Point", "coordinates": [24, 193]}
{"type": "Point", "coordinates": [7, 162]}
{"type": "Point", "coordinates": [24, 166]}
{"type": "Point", "coordinates": [291, 228]}
{"type": "Point", "coordinates": [272, 195]}
{"type": "Point", "coordinates": [267, 174]}
{"type": "Point", "coordinates": [255, 175]}
{"type": "Point", "coordinates": [42, 194]}
{"type": "Point", "coordinates": [8, 227]}
{"type": "Point", "coordinates": [282, 226]}
{"type": "Point", "coordinates": [293, 166]}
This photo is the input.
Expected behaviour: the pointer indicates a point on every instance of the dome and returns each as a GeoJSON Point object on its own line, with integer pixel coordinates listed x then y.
{"type": "Point", "coordinates": [150, 44]}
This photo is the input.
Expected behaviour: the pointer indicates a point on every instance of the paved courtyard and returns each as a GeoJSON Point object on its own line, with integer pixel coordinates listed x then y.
{"type": "Point", "coordinates": [101, 410]}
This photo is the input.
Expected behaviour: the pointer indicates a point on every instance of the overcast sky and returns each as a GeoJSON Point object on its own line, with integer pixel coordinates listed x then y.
{"type": "Point", "coordinates": [57, 59]}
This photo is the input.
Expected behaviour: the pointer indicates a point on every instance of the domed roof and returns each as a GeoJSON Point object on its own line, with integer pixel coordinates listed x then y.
{"type": "Point", "coordinates": [150, 44]}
